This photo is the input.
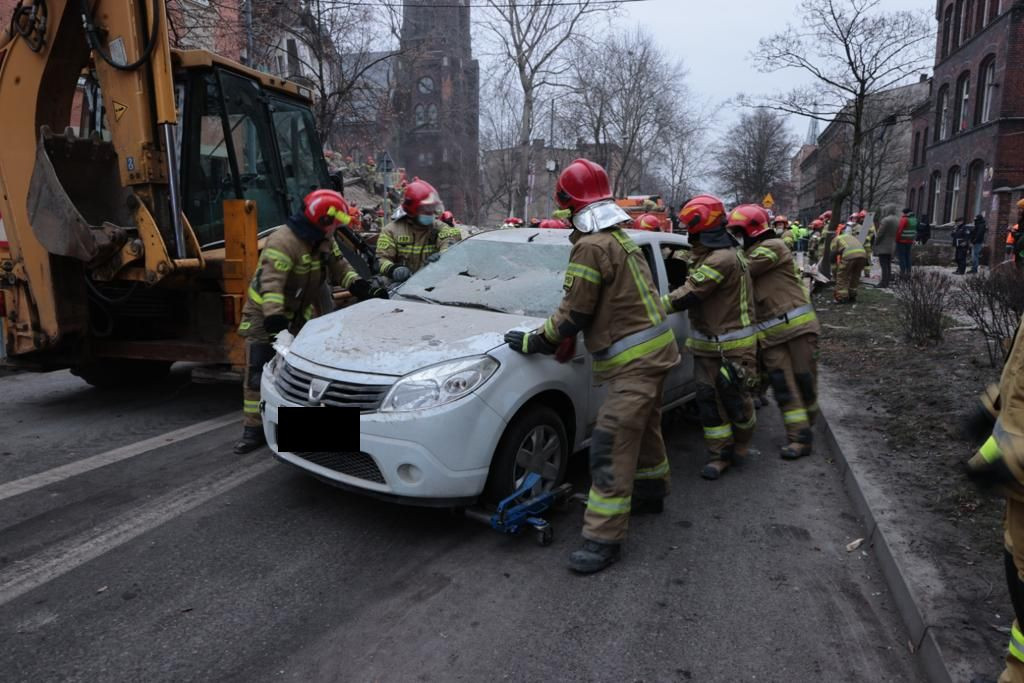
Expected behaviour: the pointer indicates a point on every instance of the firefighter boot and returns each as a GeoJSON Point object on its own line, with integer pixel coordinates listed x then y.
{"type": "Point", "coordinates": [594, 556]}
{"type": "Point", "coordinates": [252, 438]}
{"type": "Point", "coordinates": [795, 451]}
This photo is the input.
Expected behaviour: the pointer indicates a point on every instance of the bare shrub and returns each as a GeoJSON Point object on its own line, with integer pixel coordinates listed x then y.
{"type": "Point", "coordinates": [924, 298]}
{"type": "Point", "coordinates": [994, 301]}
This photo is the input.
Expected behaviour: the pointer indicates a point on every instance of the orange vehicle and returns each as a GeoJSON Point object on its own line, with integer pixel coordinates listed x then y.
{"type": "Point", "coordinates": [638, 205]}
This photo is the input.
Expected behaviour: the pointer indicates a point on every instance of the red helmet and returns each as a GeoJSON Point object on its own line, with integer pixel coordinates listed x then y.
{"type": "Point", "coordinates": [750, 218]}
{"type": "Point", "coordinates": [326, 209]}
{"type": "Point", "coordinates": [703, 212]}
{"type": "Point", "coordinates": [550, 224]}
{"type": "Point", "coordinates": [827, 216]}
{"type": "Point", "coordinates": [421, 198]}
{"type": "Point", "coordinates": [778, 219]}
{"type": "Point", "coordinates": [449, 218]}
{"type": "Point", "coordinates": [647, 222]}
{"type": "Point", "coordinates": [581, 184]}
{"type": "Point", "coordinates": [512, 220]}
{"type": "Point", "coordinates": [817, 224]}
{"type": "Point", "coordinates": [862, 214]}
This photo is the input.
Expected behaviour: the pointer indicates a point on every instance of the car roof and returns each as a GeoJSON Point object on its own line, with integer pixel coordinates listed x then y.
{"type": "Point", "coordinates": [553, 236]}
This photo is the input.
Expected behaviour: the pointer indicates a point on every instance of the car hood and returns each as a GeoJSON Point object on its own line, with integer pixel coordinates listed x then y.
{"type": "Point", "coordinates": [396, 337]}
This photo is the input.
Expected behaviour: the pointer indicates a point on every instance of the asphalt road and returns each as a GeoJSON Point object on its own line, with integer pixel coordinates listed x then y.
{"type": "Point", "coordinates": [179, 561]}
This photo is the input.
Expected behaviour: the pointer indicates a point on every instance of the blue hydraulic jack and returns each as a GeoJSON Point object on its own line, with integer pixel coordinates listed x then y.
{"type": "Point", "coordinates": [523, 509]}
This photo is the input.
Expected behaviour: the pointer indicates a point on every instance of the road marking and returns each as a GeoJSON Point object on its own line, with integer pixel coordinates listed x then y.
{"type": "Point", "coordinates": [57, 474]}
{"type": "Point", "coordinates": [50, 564]}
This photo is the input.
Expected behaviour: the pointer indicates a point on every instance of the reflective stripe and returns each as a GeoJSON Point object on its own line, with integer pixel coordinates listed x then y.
{"type": "Point", "coordinates": [1016, 642]}
{"type": "Point", "coordinates": [273, 298]}
{"type": "Point", "coordinates": [745, 308]}
{"type": "Point", "coordinates": [719, 432]}
{"type": "Point", "coordinates": [640, 350]}
{"type": "Point", "coordinates": [308, 313]}
{"type": "Point", "coordinates": [788, 318]}
{"type": "Point", "coordinates": [245, 325]}
{"type": "Point", "coordinates": [659, 471]}
{"type": "Point", "coordinates": [281, 260]}
{"type": "Point", "coordinates": [766, 252]}
{"type": "Point", "coordinates": [794, 416]}
{"type": "Point", "coordinates": [385, 241]}
{"type": "Point", "coordinates": [449, 233]}
{"type": "Point", "coordinates": [666, 303]}
{"type": "Point", "coordinates": [305, 268]}
{"type": "Point", "coordinates": [711, 273]}
{"type": "Point", "coordinates": [653, 311]}
{"type": "Point", "coordinates": [624, 240]}
{"type": "Point", "coordinates": [251, 407]}
{"type": "Point", "coordinates": [631, 340]}
{"type": "Point", "coordinates": [415, 249]}
{"type": "Point", "coordinates": [584, 272]}
{"type": "Point", "coordinates": [255, 296]}
{"type": "Point", "coordinates": [749, 424]}
{"type": "Point", "coordinates": [607, 507]}
{"type": "Point", "coordinates": [990, 450]}
{"type": "Point", "coordinates": [550, 332]}
{"type": "Point", "coordinates": [350, 277]}
{"type": "Point", "coordinates": [853, 253]}
{"type": "Point", "coordinates": [703, 345]}
{"type": "Point", "coordinates": [335, 250]}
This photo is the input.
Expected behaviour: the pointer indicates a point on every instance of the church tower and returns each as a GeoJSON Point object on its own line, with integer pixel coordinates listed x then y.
{"type": "Point", "coordinates": [438, 103]}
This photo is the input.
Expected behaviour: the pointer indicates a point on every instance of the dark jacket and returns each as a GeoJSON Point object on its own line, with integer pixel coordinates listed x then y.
{"type": "Point", "coordinates": [961, 236]}
{"type": "Point", "coordinates": [885, 237]}
{"type": "Point", "coordinates": [979, 230]}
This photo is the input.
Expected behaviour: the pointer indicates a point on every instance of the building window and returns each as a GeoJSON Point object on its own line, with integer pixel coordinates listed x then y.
{"type": "Point", "coordinates": [432, 116]}
{"type": "Point", "coordinates": [986, 90]}
{"type": "Point", "coordinates": [967, 23]}
{"type": "Point", "coordinates": [958, 24]}
{"type": "Point", "coordinates": [993, 10]}
{"type": "Point", "coordinates": [963, 95]}
{"type": "Point", "coordinates": [292, 48]}
{"type": "Point", "coordinates": [420, 113]}
{"type": "Point", "coordinates": [942, 114]}
{"type": "Point", "coordinates": [974, 181]}
{"type": "Point", "coordinates": [913, 156]}
{"type": "Point", "coordinates": [920, 202]}
{"type": "Point", "coordinates": [979, 16]}
{"type": "Point", "coordinates": [924, 146]}
{"type": "Point", "coordinates": [426, 158]}
{"type": "Point", "coordinates": [947, 30]}
{"type": "Point", "coordinates": [953, 188]}
{"type": "Point", "coordinates": [936, 197]}
{"type": "Point", "coordinates": [913, 196]}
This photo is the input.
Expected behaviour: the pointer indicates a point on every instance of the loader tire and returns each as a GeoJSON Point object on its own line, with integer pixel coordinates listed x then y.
{"type": "Point", "coordinates": [118, 373]}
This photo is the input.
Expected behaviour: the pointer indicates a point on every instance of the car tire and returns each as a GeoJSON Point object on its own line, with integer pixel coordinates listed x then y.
{"type": "Point", "coordinates": [537, 427]}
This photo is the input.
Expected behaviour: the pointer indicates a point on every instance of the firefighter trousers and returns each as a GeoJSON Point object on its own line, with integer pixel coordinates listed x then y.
{"type": "Point", "coordinates": [1013, 537]}
{"type": "Point", "coordinates": [848, 274]}
{"type": "Point", "coordinates": [726, 412]}
{"type": "Point", "coordinates": [793, 375]}
{"type": "Point", "coordinates": [258, 352]}
{"type": "Point", "coordinates": [627, 455]}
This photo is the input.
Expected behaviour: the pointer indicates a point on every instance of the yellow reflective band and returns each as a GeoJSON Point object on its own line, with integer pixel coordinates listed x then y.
{"type": "Point", "coordinates": [339, 215]}
{"type": "Point", "coordinates": [990, 450]}
{"type": "Point", "coordinates": [787, 326]}
{"type": "Point", "coordinates": [350, 277]}
{"type": "Point", "coordinates": [624, 240]}
{"type": "Point", "coordinates": [335, 249]}
{"type": "Point", "coordinates": [749, 424]}
{"type": "Point", "coordinates": [640, 350]}
{"type": "Point", "coordinates": [794, 416]}
{"type": "Point", "coordinates": [705, 345]}
{"type": "Point", "coordinates": [273, 298]}
{"type": "Point", "coordinates": [1016, 642]}
{"type": "Point", "coordinates": [307, 268]}
{"type": "Point", "coordinates": [282, 261]}
{"type": "Point", "coordinates": [308, 313]}
{"type": "Point", "coordinates": [449, 233]}
{"type": "Point", "coordinates": [385, 263]}
{"type": "Point", "coordinates": [653, 312]}
{"type": "Point", "coordinates": [765, 252]}
{"type": "Point", "coordinates": [607, 506]}
{"type": "Point", "coordinates": [550, 332]}
{"type": "Point", "coordinates": [561, 214]}
{"type": "Point", "coordinates": [245, 325]}
{"type": "Point", "coordinates": [745, 308]}
{"type": "Point", "coordinates": [666, 303]}
{"type": "Point", "coordinates": [711, 273]}
{"type": "Point", "coordinates": [659, 471]}
{"type": "Point", "coordinates": [251, 407]}
{"type": "Point", "coordinates": [255, 296]}
{"type": "Point", "coordinates": [385, 241]}
{"type": "Point", "coordinates": [719, 432]}
{"type": "Point", "coordinates": [584, 272]}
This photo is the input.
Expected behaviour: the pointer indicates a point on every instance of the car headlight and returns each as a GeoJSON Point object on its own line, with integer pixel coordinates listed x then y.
{"type": "Point", "coordinates": [439, 384]}
{"type": "Point", "coordinates": [283, 342]}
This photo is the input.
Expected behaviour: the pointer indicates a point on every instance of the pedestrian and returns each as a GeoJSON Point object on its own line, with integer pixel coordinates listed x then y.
{"type": "Point", "coordinates": [1000, 462]}
{"type": "Point", "coordinates": [961, 238]}
{"type": "Point", "coordinates": [885, 242]}
{"type": "Point", "coordinates": [610, 297]}
{"type": "Point", "coordinates": [924, 230]}
{"type": "Point", "coordinates": [787, 326]}
{"type": "Point", "coordinates": [850, 258]}
{"type": "Point", "coordinates": [977, 241]}
{"type": "Point", "coordinates": [297, 260]}
{"type": "Point", "coordinates": [906, 235]}
{"type": "Point", "coordinates": [719, 297]}
{"type": "Point", "coordinates": [416, 237]}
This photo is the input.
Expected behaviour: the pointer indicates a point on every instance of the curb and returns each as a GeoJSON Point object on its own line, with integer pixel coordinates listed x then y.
{"type": "Point", "coordinates": [926, 650]}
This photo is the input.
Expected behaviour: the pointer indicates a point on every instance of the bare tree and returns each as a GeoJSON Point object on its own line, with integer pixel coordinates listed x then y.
{"type": "Point", "coordinates": [754, 158]}
{"type": "Point", "coordinates": [852, 50]}
{"type": "Point", "coordinates": [499, 151]}
{"type": "Point", "coordinates": [531, 38]}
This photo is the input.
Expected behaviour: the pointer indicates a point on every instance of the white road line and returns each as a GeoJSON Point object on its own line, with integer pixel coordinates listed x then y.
{"type": "Point", "coordinates": [54, 562]}
{"type": "Point", "coordinates": [35, 481]}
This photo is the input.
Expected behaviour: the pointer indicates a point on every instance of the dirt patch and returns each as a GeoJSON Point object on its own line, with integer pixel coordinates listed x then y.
{"type": "Point", "coordinates": [909, 399]}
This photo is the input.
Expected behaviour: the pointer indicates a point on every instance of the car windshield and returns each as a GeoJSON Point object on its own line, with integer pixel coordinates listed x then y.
{"type": "Point", "coordinates": [518, 278]}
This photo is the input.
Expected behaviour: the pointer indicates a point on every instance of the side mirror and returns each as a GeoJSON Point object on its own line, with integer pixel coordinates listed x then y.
{"type": "Point", "coordinates": [337, 182]}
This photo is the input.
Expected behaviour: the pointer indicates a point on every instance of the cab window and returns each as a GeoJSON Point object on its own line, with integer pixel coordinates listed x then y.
{"type": "Point", "coordinates": [301, 160]}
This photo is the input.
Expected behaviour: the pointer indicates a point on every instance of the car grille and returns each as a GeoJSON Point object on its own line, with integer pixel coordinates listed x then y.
{"type": "Point", "coordinates": [358, 465]}
{"type": "Point", "coordinates": [294, 385]}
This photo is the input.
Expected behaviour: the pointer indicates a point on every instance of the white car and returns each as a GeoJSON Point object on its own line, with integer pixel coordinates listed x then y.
{"type": "Point", "coordinates": [449, 413]}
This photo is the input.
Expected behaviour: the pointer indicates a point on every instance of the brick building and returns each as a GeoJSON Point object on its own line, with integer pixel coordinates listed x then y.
{"type": "Point", "coordinates": [437, 101]}
{"type": "Point", "coordinates": [968, 149]}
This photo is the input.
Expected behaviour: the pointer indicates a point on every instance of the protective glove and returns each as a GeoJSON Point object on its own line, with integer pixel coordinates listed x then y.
{"type": "Point", "coordinates": [275, 323]}
{"type": "Point", "coordinates": [401, 274]}
{"type": "Point", "coordinates": [976, 425]}
{"type": "Point", "coordinates": [529, 342]}
{"type": "Point", "coordinates": [434, 258]}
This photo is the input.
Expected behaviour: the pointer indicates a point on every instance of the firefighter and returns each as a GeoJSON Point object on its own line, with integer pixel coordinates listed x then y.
{"type": "Point", "coordinates": [296, 262]}
{"type": "Point", "coordinates": [511, 223]}
{"type": "Point", "coordinates": [719, 297]}
{"type": "Point", "coordinates": [1000, 461]}
{"type": "Point", "coordinates": [850, 258]}
{"type": "Point", "coordinates": [370, 175]}
{"type": "Point", "coordinates": [611, 297]}
{"type": "Point", "coordinates": [448, 218]}
{"type": "Point", "coordinates": [648, 221]}
{"type": "Point", "coordinates": [534, 222]}
{"type": "Point", "coordinates": [780, 224]}
{"type": "Point", "coordinates": [814, 242]}
{"type": "Point", "coordinates": [787, 325]}
{"type": "Point", "coordinates": [416, 237]}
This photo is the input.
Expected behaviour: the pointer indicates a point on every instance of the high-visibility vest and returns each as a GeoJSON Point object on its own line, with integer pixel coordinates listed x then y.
{"type": "Point", "coordinates": [910, 232]}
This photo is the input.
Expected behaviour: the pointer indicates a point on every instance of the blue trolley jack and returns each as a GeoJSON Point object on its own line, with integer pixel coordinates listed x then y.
{"type": "Point", "coordinates": [523, 509]}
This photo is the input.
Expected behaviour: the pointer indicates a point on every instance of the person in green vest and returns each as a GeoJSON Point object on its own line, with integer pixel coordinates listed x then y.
{"type": "Point", "coordinates": [906, 235]}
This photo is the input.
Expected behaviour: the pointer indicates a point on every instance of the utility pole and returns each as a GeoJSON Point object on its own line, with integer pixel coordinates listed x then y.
{"type": "Point", "coordinates": [248, 34]}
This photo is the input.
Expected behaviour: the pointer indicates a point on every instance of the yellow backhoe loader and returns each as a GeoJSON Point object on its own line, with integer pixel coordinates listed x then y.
{"type": "Point", "coordinates": [130, 241]}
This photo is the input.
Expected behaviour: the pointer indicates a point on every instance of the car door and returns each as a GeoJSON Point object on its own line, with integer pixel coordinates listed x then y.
{"type": "Point", "coordinates": [669, 267]}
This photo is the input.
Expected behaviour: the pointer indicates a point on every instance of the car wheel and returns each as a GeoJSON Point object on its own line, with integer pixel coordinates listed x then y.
{"type": "Point", "coordinates": [535, 441]}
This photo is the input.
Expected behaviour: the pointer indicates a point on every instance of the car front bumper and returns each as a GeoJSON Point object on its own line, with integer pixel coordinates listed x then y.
{"type": "Point", "coordinates": [431, 457]}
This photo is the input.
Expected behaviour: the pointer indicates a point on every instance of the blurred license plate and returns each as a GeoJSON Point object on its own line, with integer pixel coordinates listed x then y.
{"type": "Point", "coordinates": [317, 429]}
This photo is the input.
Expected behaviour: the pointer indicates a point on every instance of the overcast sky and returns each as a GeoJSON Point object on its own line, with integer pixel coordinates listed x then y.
{"type": "Point", "coordinates": [714, 38]}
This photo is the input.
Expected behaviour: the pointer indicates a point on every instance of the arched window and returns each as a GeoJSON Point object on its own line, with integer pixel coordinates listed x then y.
{"type": "Point", "coordinates": [953, 190]}
{"type": "Point", "coordinates": [966, 23]}
{"type": "Point", "coordinates": [986, 90]}
{"type": "Point", "coordinates": [979, 16]}
{"type": "Point", "coordinates": [974, 182]}
{"type": "Point", "coordinates": [420, 113]}
{"type": "Point", "coordinates": [913, 197]}
{"type": "Point", "coordinates": [942, 114]}
{"type": "Point", "coordinates": [963, 96]}
{"type": "Point", "coordinates": [936, 197]}
{"type": "Point", "coordinates": [920, 203]}
{"type": "Point", "coordinates": [958, 24]}
{"type": "Point", "coordinates": [913, 155]}
{"type": "Point", "coordinates": [993, 10]}
{"type": "Point", "coordinates": [947, 30]}
{"type": "Point", "coordinates": [432, 115]}
{"type": "Point", "coordinates": [924, 146]}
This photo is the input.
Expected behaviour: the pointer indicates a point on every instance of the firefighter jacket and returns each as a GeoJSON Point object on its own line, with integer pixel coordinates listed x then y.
{"type": "Point", "coordinates": [782, 303]}
{"type": "Point", "coordinates": [723, 321]}
{"type": "Point", "coordinates": [610, 295]}
{"type": "Point", "coordinates": [289, 280]}
{"type": "Point", "coordinates": [403, 243]}
{"type": "Point", "coordinates": [813, 246]}
{"type": "Point", "coordinates": [846, 247]}
{"type": "Point", "coordinates": [789, 238]}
